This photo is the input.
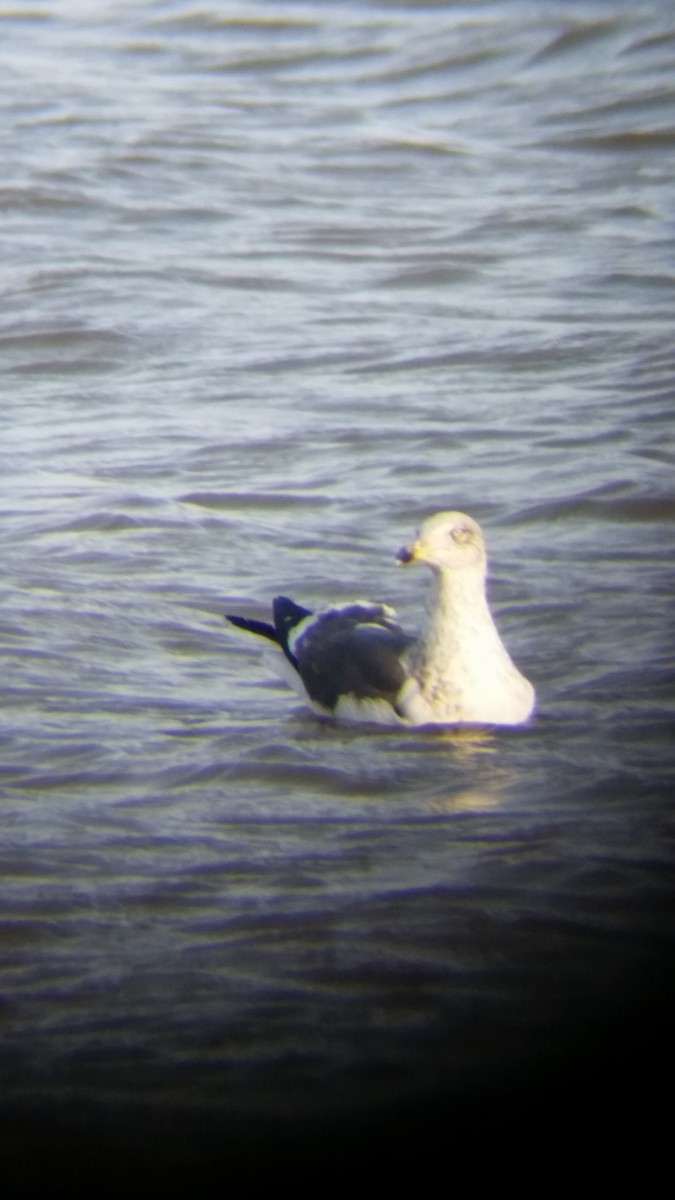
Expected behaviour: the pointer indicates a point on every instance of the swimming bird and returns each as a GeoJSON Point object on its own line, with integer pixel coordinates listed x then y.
{"type": "Point", "coordinates": [355, 662]}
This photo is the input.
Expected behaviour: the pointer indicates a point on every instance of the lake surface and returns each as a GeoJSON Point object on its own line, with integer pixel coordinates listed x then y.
{"type": "Point", "coordinates": [277, 281]}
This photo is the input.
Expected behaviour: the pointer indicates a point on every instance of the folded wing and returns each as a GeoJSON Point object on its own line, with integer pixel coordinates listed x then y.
{"type": "Point", "coordinates": [356, 651]}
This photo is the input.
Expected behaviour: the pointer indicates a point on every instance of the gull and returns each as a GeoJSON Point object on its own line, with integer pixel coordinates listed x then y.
{"type": "Point", "coordinates": [355, 662]}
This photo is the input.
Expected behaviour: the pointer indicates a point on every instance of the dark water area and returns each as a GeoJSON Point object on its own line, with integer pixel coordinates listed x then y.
{"type": "Point", "coordinates": [277, 281]}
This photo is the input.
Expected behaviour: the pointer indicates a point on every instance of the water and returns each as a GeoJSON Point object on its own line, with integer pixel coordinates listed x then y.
{"type": "Point", "coordinates": [277, 281]}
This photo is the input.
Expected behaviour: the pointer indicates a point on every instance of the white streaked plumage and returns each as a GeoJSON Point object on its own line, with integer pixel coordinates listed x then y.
{"type": "Point", "coordinates": [356, 663]}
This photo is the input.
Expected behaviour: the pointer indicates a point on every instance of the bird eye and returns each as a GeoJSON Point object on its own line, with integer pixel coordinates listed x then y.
{"type": "Point", "coordinates": [461, 535]}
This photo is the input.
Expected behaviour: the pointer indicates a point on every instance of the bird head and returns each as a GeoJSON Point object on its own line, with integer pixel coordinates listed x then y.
{"type": "Point", "coordinates": [448, 541]}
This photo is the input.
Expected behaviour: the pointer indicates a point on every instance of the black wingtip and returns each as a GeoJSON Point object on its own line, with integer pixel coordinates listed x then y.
{"type": "Point", "coordinates": [288, 614]}
{"type": "Point", "coordinates": [261, 628]}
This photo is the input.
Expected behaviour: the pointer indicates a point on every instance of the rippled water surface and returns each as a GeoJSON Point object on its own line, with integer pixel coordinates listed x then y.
{"type": "Point", "coordinates": [277, 280]}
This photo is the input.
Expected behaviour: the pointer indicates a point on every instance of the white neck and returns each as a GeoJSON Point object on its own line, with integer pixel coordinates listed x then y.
{"type": "Point", "coordinates": [458, 615]}
{"type": "Point", "coordinates": [461, 664]}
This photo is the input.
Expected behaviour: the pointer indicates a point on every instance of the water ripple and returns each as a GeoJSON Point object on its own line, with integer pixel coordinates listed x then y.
{"type": "Point", "coordinates": [278, 280]}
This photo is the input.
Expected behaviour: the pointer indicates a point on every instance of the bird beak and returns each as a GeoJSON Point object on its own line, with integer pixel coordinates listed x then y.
{"type": "Point", "coordinates": [407, 554]}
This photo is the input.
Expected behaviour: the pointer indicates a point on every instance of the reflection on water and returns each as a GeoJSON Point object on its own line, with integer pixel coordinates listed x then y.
{"type": "Point", "coordinates": [278, 281]}
{"type": "Point", "coordinates": [467, 741]}
{"type": "Point", "coordinates": [468, 801]}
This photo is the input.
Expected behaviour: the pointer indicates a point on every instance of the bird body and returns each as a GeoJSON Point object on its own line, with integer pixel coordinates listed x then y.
{"type": "Point", "coordinates": [355, 662]}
